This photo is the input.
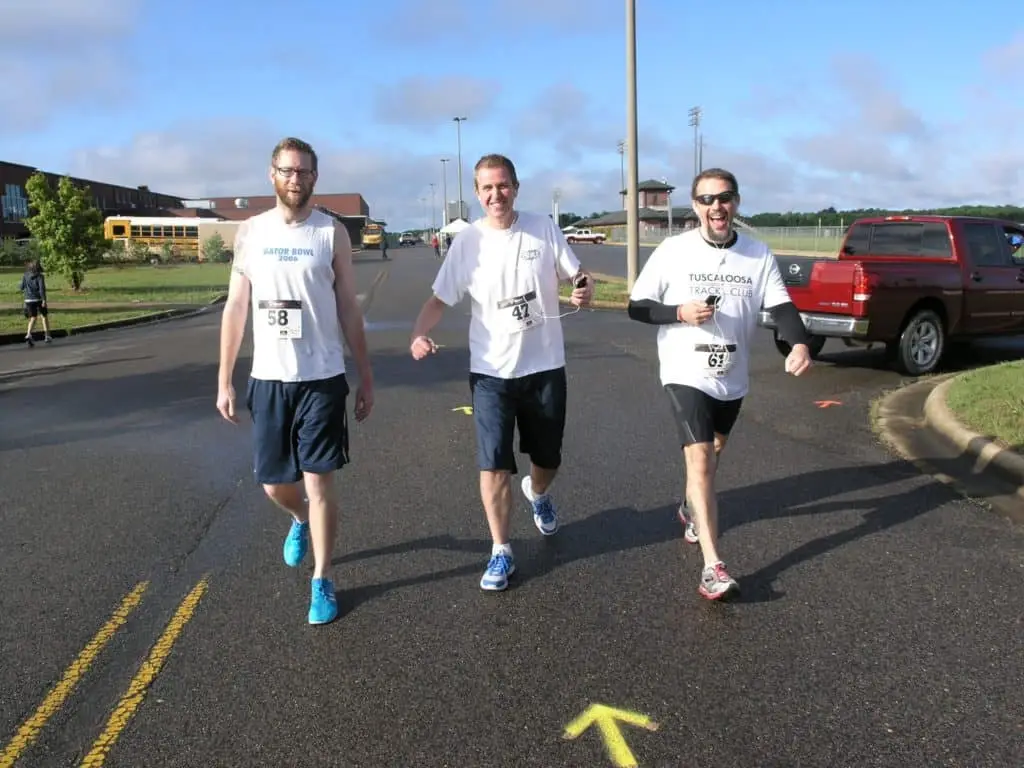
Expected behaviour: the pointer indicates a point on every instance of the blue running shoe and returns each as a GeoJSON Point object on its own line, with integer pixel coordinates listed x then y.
{"type": "Point", "coordinates": [498, 570]}
{"type": "Point", "coordinates": [323, 605]}
{"type": "Point", "coordinates": [544, 515]}
{"type": "Point", "coordinates": [296, 543]}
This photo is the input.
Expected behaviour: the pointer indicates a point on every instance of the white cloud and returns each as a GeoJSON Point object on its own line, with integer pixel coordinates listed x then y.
{"type": "Point", "coordinates": [1007, 60]}
{"type": "Point", "coordinates": [862, 145]}
{"type": "Point", "coordinates": [59, 54]}
{"type": "Point", "coordinates": [434, 23]}
{"type": "Point", "coordinates": [421, 101]}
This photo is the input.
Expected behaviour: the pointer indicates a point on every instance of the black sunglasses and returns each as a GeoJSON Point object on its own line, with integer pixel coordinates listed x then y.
{"type": "Point", "coordinates": [723, 197]}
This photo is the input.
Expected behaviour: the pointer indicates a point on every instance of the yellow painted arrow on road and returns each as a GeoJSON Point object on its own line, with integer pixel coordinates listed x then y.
{"type": "Point", "coordinates": [466, 409]}
{"type": "Point", "coordinates": [607, 719]}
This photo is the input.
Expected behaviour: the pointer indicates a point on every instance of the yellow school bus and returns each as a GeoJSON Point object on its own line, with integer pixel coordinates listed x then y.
{"type": "Point", "coordinates": [153, 231]}
{"type": "Point", "coordinates": [373, 235]}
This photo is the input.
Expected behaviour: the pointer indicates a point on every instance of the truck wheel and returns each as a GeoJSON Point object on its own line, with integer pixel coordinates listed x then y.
{"type": "Point", "coordinates": [815, 345]}
{"type": "Point", "coordinates": [921, 344]}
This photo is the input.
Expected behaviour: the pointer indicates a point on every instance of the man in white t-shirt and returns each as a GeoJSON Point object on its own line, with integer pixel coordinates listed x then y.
{"type": "Point", "coordinates": [294, 263]}
{"type": "Point", "coordinates": [704, 289]}
{"type": "Point", "coordinates": [510, 265]}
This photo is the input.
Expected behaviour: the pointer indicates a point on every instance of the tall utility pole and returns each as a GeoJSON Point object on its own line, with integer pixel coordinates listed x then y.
{"type": "Point", "coordinates": [622, 173]}
{"type": "Point", "coordinates": [458, 130]}
{"type": "Point", "coordinates": [433, 209]}
{"type": "Point", "coordinates": [444, 191]}
{"type": "Point", "coordinates": [700, 156]}
{"type": "Point", "coordinates": [695, 113]}
{"type": "Point", "coordinates": [632, 213]}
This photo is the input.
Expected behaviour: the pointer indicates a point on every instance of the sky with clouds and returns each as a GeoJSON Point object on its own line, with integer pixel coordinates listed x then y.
{"type": "Point", "coordinates": [851, 105]}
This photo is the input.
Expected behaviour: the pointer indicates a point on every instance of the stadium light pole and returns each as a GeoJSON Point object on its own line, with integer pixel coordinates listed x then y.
{"type": "Point", "coordinates": [632, 213]}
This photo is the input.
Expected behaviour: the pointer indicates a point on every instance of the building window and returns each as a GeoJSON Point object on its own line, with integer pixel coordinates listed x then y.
{"type": "Point", "coordinates": [13, 203]}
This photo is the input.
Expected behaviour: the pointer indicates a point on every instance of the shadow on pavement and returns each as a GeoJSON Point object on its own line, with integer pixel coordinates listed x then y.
{"type": "Point", "coordinates": [622, 529]}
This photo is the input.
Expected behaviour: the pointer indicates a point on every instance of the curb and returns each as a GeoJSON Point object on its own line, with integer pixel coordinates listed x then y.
{"type": "Point", "coordinates": [987, 453]}
{"type": "Point", "coordinates": [156, 316]}
{"type": "Point", "coordinates": [595, 304]}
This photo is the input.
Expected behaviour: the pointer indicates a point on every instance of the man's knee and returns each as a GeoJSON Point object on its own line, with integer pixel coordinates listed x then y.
{"type": "Point", "coordinates": [319, 485]}
{"type": "Point", "coordinates": [286, 494]}
{"type": "Point", "coordinates": [700, 459]}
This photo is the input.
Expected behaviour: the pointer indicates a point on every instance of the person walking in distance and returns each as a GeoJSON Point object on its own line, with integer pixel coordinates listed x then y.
{"type": "Point", "coordinates": [704, 289]}
{"type": "Point", "coordinates": [510, 263]}
{"type": "Point", "coordinates": [294, 263]}
{"type": "Point", "coordinates": [33, 287]}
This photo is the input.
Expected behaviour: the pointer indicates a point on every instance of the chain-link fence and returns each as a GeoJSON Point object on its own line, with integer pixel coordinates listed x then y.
{"type": "Point", "coordinates": [823, 241]}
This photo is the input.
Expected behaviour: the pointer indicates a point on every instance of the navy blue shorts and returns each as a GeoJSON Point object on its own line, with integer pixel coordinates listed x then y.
{"type": "Point", "coordinates": [536, 403]}
{"type": "Point", "coordinates": [298, 427]}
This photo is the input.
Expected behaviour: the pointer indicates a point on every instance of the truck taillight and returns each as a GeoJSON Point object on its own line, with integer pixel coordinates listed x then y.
{"type": "Point", "coordinates": [861, 284]}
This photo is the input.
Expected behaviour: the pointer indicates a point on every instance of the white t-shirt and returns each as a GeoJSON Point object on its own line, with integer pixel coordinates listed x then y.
{"type": "Point", "coordinates": [714, 356]}
{"type": "Point", "coordinates": [295, 324]}
{"type": "Point", "coordinates": [512, 277]}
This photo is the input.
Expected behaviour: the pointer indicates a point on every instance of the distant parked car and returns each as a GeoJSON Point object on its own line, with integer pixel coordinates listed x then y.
{"type": "Point", "coordinates": [584, 236]}
{"type": "Point", "coordinates": [408, 238]}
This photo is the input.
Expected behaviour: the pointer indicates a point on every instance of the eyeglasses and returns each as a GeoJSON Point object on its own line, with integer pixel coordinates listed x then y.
{"type": "Point", "coordinates": [287, 173]}
{"type": "Point", "coordinates": [723, 197]}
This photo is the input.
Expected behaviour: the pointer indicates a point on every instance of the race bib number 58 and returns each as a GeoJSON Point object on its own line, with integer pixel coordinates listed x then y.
{"type": "Point", "coordinates": [284, 317]}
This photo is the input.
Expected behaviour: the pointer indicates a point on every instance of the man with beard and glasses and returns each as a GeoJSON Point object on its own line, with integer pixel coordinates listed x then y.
{"type": "Point", "coordinates": [510, 264]}
{"type": "Point", "coordinates": [705, 289]}
{"type": "Point", "coordinates": [295, 265]}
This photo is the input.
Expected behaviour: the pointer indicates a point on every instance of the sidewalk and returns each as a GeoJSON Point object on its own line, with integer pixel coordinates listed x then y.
{"type": "Point", "coordinates": [916, 423]}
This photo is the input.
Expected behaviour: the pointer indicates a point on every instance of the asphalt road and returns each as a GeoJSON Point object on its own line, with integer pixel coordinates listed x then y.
{"type": "Point", "coordinates": [879, 623]}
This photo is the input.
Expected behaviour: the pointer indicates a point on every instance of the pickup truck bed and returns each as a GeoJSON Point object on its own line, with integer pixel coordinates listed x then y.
{"type": "Point", "coordinates": [961, 278]}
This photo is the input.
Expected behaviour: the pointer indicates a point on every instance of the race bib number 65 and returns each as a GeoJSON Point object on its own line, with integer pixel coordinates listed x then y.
{"type": "Point", "coordinates": [284, 317]}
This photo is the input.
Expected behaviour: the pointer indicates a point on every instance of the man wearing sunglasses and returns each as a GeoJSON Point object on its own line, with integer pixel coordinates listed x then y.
{"type": "Point", "coordinates": [704, 289]}
{"type": "Point", "coordinates": [294, 264]}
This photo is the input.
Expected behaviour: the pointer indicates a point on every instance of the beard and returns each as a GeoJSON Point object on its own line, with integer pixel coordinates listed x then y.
{"type": "Point", "coordinates": [294, 201]}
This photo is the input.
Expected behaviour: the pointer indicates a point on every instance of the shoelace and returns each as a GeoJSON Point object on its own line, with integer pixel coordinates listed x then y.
{"type": "Point", "coordinates": [499, 564]}
{"type": "Point", "coordinates": [545, 510]}
{"type": "Point", "coordinates": [323, 590]}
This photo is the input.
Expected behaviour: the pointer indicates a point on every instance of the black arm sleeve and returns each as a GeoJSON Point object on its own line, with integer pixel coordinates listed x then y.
{"type": "Point", "coordinates": [652, 312]}
{"type": "Point", "coordinates": [790, 325]}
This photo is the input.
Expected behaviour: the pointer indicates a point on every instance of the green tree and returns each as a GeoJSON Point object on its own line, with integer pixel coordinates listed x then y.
{"type": "Point", "coordinates": [67, 227]}
{"type": "Point", "coordinates": [214, 250]}
{"type": "Point", "coordinates": [10, 253]}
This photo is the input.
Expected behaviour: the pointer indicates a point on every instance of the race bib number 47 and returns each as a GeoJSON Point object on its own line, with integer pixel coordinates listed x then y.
{"type": "Point", "coordinates": [520, 312]}
{"type": "Point", "coordinates": [283, 317]}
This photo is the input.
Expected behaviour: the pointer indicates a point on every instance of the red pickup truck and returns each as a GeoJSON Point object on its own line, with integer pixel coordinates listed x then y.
{"type": "Point", "coordinates": [912, 283]}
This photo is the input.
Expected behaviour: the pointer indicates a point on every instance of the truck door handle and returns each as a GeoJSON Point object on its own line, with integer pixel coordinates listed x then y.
{"type": "Point", "coordinates": [976, 277]}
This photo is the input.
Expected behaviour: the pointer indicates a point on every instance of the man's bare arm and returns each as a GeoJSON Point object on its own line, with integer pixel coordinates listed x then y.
{"type": "Point", "coordinates": [236, 310]}
{"type": "Point", "coordinates": [350, 314]}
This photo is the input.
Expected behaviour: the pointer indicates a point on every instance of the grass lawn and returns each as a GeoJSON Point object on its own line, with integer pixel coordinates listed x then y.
{"type": "Point", "coordinates": [607, 289]}
{"type": "Point", "coordinates": [175, 284]}
{"type": "Point", "coordinates": [14, 321]}
{"type": "Point", "coordinates": [990, 400]}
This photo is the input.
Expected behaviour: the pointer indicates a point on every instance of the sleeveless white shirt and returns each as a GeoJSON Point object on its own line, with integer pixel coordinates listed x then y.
{"type": "Point", "coordinates": [296, 330]}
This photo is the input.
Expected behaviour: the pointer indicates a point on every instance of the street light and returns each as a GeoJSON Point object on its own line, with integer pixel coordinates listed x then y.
{"type": "Point", "coordinates": [433, 208]}
{"type": "Point", "coordinates": [632, 212]}
{"type": "Point", "coordinates": [458, 129]}
{"type": "Point", "coordinates": [444, 191]}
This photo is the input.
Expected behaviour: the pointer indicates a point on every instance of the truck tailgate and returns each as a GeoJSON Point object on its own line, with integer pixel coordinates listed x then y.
{"type": "Point", "coordinates": [830, 288]}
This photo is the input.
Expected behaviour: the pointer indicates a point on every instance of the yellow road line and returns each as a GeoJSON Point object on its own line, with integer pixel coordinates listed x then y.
{"type": "Point", "coordinates": [30, 729]}
{"type": "Point", "coordinates": [147, 673]}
